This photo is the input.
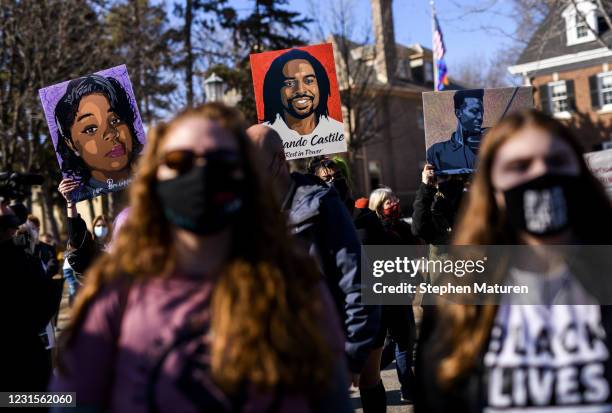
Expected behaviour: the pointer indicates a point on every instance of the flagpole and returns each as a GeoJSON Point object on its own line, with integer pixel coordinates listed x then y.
{"type": "Point", "coordinates": [433, 31]}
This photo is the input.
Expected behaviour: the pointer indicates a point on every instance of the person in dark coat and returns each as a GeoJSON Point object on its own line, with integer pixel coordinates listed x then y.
{"type": "Point", "coordinates": [436, 205]}
{"type": "Point", "coordinates": [47, 251]}
{"type": "Point", "coordinates": [386, 205]}
{"type": "Point", "coordinates": [43, 251]}
{"type": "Point", "coordinates": [29, 299]}
{"type": "Point", "coordinates": [369, 228]}
{"type": "Point", "coordinates": [82, 246]}
{"type": "Point", "coordinates": [335, 172]}
{"type": "Point", "coordinates": [318, 217]}
{"type": "Point", "coordinates": [398, 322]}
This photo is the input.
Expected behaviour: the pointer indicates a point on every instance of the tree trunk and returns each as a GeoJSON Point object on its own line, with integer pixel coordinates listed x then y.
{"type": "Point", "coordinates": [138, 59]}
{"type": "Point", "coordinates": [48, 215]}
{"type": "Point", "coordinates": [105, 201]}
{"type": "Point", "coordinates": [112, 205]}
{"type": "Point", "coordinates": [118, 201]}
{"type": "Point", "coordinates": [189, 52]}
{"type": "Point", "coordinates": [92, 211]}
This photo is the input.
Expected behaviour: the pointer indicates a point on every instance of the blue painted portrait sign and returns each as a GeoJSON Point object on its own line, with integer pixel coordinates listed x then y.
{"type": "Point", "coordinates": [456, 123]}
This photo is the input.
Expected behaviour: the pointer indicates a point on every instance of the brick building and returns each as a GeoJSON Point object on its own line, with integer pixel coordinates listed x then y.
{"type": "Point", "coordinates": [571, 71]}
{"type": "Point", "coordinates": [395, 156]}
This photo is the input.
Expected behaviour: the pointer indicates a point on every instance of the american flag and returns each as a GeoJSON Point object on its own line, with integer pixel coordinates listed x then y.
{"type": "Point", "coordinates": [438, 52]}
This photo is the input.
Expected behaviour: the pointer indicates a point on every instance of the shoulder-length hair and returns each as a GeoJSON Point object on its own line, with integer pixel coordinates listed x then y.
{"type": "Point", "coordinates": [266, 310]}
{"type": "Point", "coordinates": [274, 82]}
{"type": "Point", "coordinates": [65, 114]}
{"type": "Point", "coordinates": [378, 198]}
{"type": "Point", "coordinates": [100, 218]}
{"type": "Point", "coordinates": [466, 328]}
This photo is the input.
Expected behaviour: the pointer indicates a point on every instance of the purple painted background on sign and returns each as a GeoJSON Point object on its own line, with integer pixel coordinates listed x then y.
{"type": "Point", "coordinates": [50, 95]}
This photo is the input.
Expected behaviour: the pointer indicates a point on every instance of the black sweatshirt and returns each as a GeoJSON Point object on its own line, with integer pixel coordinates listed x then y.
{"type": "Point", "coordinates": [83, 249]}
{"type": "Point", "coordinates": [432, 217]}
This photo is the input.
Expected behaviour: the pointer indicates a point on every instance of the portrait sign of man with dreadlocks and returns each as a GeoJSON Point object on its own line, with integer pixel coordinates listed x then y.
{"type": "Point", "coordinates": [296, 93]}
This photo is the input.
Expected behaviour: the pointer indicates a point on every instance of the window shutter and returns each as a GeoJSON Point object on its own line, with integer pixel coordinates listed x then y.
{"type": "Point", "coordinates": [571, 97]}
{"type": "Point", "coordinates": [602, 26]}
{"type": "Point", "coordinates": [594, 89]}
{"type": "Point", "coordinates": [544, 101]}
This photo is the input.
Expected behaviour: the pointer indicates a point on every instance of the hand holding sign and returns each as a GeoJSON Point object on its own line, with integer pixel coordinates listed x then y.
{"type": "Point", "coordinates": [67, 186]}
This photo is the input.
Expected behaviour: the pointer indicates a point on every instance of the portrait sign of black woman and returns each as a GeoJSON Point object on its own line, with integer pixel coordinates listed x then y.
{"type": "Point", "coordinates": [96, 130]}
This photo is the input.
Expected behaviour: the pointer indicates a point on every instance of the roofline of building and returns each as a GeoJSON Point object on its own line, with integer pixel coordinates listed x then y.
{"type": "Point", "coordinates": [395, 90]}
{"type": "Point", "coordinates": [570, 67]}
{"type": "Point", "coordinates": [525, 68]}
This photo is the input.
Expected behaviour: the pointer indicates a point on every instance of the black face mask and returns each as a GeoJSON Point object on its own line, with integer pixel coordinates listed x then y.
{"type": "Point", "coordinates": [205, 199]}
{"type": "Point", "coordinates": [545, 205]}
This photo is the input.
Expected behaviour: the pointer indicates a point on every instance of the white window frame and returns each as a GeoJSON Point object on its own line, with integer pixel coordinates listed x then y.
{"type": "Point", "coordinates": [582, 28]}
{"type": "Point", "coordinates": [375, 167]}
{"type": "Point", "coordinates": [564, 114]}
{"type": "Point", "coordinates": [586, 8]}
{"type": "Point", "coordinates": [603, 107]}
{"type": "Point", "coordinates": [403, 70]}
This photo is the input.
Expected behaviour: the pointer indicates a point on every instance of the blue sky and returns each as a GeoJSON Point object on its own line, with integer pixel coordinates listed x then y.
{"type": "Point", "coordinates": [463, 29]}
{"type": "Point", "coordinates": [464, 33]}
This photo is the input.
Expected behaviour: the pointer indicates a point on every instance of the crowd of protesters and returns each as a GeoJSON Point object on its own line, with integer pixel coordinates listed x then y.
{"type": "Point", "coordinates": [229, 283]}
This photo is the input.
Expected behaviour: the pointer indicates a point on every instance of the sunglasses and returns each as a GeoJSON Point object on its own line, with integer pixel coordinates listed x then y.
{"type": "Point", "coordinates": [321, 163]}
{"type": "Point", "coordinates": [183, 160]}
{"type": "Point", "coordinates": [332, 177]}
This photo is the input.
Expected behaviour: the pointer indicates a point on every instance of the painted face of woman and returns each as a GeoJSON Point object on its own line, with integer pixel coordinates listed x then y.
{"type": "Point", "coordinates": [101, 138]}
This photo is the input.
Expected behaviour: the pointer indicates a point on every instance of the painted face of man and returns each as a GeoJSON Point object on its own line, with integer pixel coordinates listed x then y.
{"type": "Point", "coordinates": [101, 138]}
{"type": "Point", "coordinates": [300, 93]}
{"type": "Point", "coordinates": [470, 115]}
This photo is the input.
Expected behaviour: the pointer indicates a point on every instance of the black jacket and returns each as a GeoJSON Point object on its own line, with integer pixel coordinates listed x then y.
{"type": "Point", "coordinates": [453, 156]}
{"type": "Point", "coordinates": [83, 249]}
{"type": "Point", "coordinates": [399, 232]}
{"type": "Point", "coordinates": [433, 217]}
{"type": "Point", "coordinates": [321, 221]}
{"type": "Point", "coordinates": [369, 228]}
{"type": "Point", "coordinates": [29, 299]}
{"type": "Point", "coordinates": [48, 256]}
